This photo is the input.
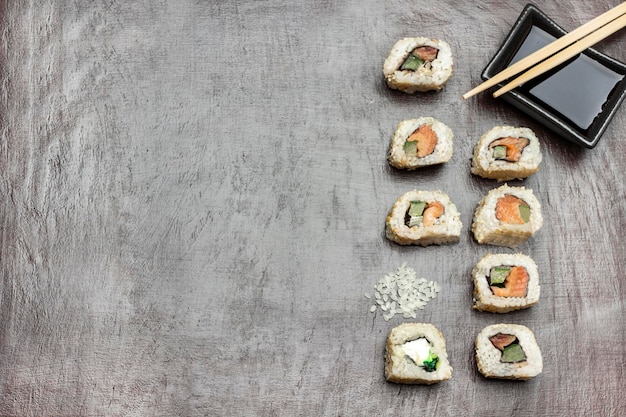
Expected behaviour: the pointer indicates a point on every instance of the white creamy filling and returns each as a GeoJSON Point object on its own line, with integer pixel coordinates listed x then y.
{"type": "Point", "coordinates": [418, 350]}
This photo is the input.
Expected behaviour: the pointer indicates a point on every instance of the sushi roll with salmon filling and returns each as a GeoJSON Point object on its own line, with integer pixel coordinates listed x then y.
{"type": "Point", "coordinates": [507, 216]}
{"type": "Point", "coordinates": [415, 353]}
{"type": "Point", "coordinates": [505, 282]}
{"type": "Point", "coordinates": [418, 64]}
{"type": "Point", "coordinates": [423, 218]}
{"type": "Point", "coordinates": [508, 351]}
{"type": "Point", "coordinates": [420, 142]}
{"type": "Point", "coordinates": [505, 153]}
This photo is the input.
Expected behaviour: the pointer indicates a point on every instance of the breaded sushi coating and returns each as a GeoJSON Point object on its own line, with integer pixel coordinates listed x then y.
{"type": "Point", "coordinates": [508, 351]}
{"type": "Point", "coordinates": [415, 353]}
{"type": "Point", "coordinates": [507, 216]}
{"type": "Point", "coordinates": [505, 282]}
{"type": "Point", "coordinates": [423, 218]}
{"type": "Point", "coordinates": [420, 142]}
{"type": "Point", "coordinates": [418, 64]}
{"type": "Point", "coordinates": [506, 153]}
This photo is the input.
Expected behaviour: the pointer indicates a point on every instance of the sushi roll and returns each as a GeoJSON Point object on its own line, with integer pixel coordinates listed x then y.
{"type": "Point", "coordinates": [415, 353]}
{"type": "Point", "coordinates": [505, 282]}
{"type": "Point", "coordinates": [423, 218]}
{"type": "Point", "coordinates": [418, 64]}
{"type": "Point", "coordinates": [508, 351]}
{"type": "Point", "coordinates": [506, 153]}
{"type": "Point", "coordinates": [420, 142]}
{"type": "Point", "coordinates": [507, 216]}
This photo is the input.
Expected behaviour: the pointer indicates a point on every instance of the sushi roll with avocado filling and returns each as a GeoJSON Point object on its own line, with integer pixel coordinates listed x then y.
{"type": "Point", "coordinates": [418, 64]}
{"type": "Point", "coordinates": [506, 153]}
{"type": "Point", "coordinates": [505, 282]}
{"type": "Point", "coordinates": [507, 216]}
{"type": "Point", "coordinates": [415, 353]}
{"type": "Point", "coordinates": [508, 351]}
{"type": "Point", "coordinates": [420, 142]}
{"type": "Point", "coordinates": [423, 218]}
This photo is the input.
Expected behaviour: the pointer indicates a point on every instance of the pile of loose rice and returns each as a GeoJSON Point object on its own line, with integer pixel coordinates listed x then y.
{"type": "Point", "coordinates": [401, 292]}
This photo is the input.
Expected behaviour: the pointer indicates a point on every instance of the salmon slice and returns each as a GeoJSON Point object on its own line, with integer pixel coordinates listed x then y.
{"type": "Point", "coordinates": [501, 340]}
{"type": "Point", "coordinates": [432, 212]}
{"type": "Point", "coordinates": [515, 285]}
{"type": "Point", "coordinates": [514, 147]}
{"type": "Point", "coordinates": [507, 209]}
{"type": "Point", "coordinates": [426, 139]}
{"type": "Point", "coordinates": [426, 53]}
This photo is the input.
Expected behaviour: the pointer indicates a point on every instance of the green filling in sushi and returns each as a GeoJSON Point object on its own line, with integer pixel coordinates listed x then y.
{"type": "Point", "coordinates": [420, 56]}
{"type": "Point", "coordinates": [508, 344]}
{"type": "Point", "coordinates": [412, 63]}
{"type": "Point", "coordinates": [419, 352]}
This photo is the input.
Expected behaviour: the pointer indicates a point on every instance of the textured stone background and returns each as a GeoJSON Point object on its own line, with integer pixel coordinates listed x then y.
{"type": "Point", "coordinates": [193, 198]}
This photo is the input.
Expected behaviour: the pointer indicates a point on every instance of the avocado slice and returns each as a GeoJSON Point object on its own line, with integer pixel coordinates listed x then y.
{"type": "Point", "coordinates": [412, 63]}
{"type": "Point", "coordinates": [410, 148]}
{"type": "Point", "coordinates": [513, 353]}
{"type": "Point", "coordinates": [499, 152]}
{"type": "Point", "coordinates": [498, 274]}
{"type": "Point", "coordinates": [417, 208]}
{"type": "Point", "coordinates": [524, 212]}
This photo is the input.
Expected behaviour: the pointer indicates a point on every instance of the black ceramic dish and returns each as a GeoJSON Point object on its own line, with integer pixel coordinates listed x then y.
{"type": "Point", "coordinates": [576, 100]}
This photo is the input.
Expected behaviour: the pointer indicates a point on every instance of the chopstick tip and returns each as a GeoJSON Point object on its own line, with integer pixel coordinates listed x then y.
{"type": "Point", "coordinates": [469, 94]}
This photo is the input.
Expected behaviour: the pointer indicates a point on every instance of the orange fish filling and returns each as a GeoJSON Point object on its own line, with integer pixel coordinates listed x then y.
{"type": "Point", "coordinates": [515, 285]}
{"type": "Point", "coordinates": [426, 139]}
{"type": "Point", "coordinates": [501, 340]}
{"type": "Point", "coordinates": [425, 216]}
{"type": "Point", "coordinates": [432, 212]}
{"type": "Point", "coordinates": [514, 147]}
{"type": "Point", "coordinates": [508, 209]}
{"type": "Point", "coordinates": [426, 53]}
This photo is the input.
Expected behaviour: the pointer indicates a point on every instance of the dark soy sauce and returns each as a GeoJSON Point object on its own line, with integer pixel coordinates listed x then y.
{"type": "Point", "coordinates": [577, 89]}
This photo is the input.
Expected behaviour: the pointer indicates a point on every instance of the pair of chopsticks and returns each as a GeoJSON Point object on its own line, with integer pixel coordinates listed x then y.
{"type": "Point", "coordinates": [569, 45]}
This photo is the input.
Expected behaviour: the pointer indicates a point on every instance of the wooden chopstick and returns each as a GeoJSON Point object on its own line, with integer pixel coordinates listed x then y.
{"type": "Point", "coordinates": [565, 54]}
{"type": "Point", "coordinates": [550, 49]}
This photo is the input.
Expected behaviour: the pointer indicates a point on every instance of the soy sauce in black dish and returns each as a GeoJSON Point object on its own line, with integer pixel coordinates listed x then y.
{"type": "Point", "coordinates": [578, 99]}
{"type": "Point", "coordinates": [577, 90]}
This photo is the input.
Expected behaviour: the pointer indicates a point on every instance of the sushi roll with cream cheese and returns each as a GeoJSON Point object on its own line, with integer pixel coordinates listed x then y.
{"type": "Point", "coordinates": [415, 353]}
{"type": "Point", "coordinates": [420, 142]}
{"type": "Point", "coordinates": [418, 64]}
{"type": "Point", "coordinates": [423, 218]}
{"type": "Point", "coordinates": [505, 153]}
{"type": "Point", "coordinates": [505, 282]}
{"type": "Point", "coordinates": [507, 216]}
{"type": "Point", "coordinates": [508, 351]}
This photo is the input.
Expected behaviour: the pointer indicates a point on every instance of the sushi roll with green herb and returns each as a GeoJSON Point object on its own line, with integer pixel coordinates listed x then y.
{"type": "Point", "coordinates": [418, 64]}
{"type": "Point", "coordinates": [508, 351]}
{"type": "Point", "coordinates": [420, 142]}
{"type": "Point", "coordinates": [507, 216]}
{"type": "Point", "coordinates": [505, 282]}
{"type": "Point", "coordinates": [505, 153]}
{"type": "Point", "coordinates": [423, 218]}
{"type": "Point", "coordinates": [415, 353]}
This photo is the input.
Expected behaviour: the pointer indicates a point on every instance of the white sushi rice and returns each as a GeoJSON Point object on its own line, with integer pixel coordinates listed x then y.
{"type": "Point", "coordinates": [486, 300]}
{"type": "Point", "coordinates": [401, 370]}
{"type": "Point", "coordinates": [488, 356]}
{"type": "Point", "coordinates": [429, 78]}
{"type": "Point", "coordinates": [401, 292]}
{"type": "Point", "coordinates": [485, 165]}
{"type": "Point", "coordinates": [447, 228]}
{"type": "Point", "coordinates": [489, 230]}
{"type": "Point", "coordinates": [442, 153]}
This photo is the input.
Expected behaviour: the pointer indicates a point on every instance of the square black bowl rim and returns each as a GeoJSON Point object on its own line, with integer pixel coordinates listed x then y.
{"type": "Point", "coordinates": [531, 15]}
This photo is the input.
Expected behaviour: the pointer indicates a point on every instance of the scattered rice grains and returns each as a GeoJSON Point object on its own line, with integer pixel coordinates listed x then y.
{"type": "Point", "coordinates": [401, 292]}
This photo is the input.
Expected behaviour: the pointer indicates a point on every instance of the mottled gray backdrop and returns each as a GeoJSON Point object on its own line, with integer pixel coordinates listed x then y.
{"type": "Point", "coordinates": [193, 201]}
